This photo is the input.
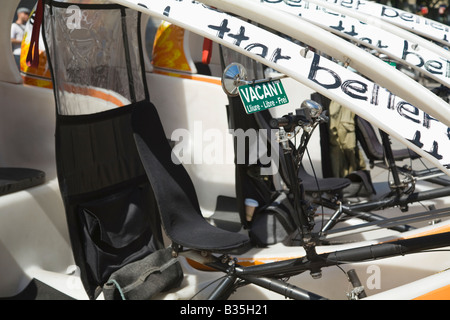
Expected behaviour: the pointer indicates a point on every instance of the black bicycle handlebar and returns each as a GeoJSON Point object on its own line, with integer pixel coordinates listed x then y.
{"type": "Point", "coordinates": [302, 117]}
{"type": "Point", "coordinates": [286, 121]}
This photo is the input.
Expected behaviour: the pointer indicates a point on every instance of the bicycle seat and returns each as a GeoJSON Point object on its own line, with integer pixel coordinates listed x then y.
{"type": "Point", "coordinates": [373, 148]}
{"type": "Point", "coordinates": [174, 191]}
{"type": "Point", "coordinates": [328, 185]}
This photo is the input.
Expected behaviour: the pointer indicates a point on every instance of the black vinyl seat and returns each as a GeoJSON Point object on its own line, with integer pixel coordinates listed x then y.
{"type": "Point", "coordinates": [373, 148]}
{"type": "Point", "coordinates": [174, 191]}
{"type": "Point", "coordinates": [327, 185]}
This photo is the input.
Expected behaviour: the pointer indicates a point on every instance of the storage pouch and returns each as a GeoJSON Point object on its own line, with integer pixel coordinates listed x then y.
{"type": "Point", "coordinates": [116, 230]}
{"type": "Point", "coordinates": [143, 279]}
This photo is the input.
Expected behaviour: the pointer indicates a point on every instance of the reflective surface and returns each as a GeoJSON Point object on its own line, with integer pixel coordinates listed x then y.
{"type": "Point", "coordinates": [314, 107]}
{"type": "Point", "coordinates": [232, 77]}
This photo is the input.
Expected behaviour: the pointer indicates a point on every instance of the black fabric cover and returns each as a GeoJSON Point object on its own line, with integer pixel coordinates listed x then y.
{"type": "Point", "coordinates": [249, 183]}
{"type": "Point", "coordinates": [268, 229]}
{"type": "Point", "coordinates": [17, 179]}
{"type": "Point", "coordinates": [111, 211]}
{"type": "Point", "coordinates": [273, 224]}
{"type": "Point", "coordinates": [174, 192]}
{"type": "Point", "coordinates": [110, 207]}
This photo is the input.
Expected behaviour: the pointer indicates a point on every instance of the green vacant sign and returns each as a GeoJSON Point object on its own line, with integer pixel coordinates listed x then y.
{"type": "Point", "coordinates": [262, 96]}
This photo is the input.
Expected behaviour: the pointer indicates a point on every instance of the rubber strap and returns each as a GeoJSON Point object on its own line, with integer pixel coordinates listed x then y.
{"type": "Point", "coordinates": [33, 51]}
{"type": "Point", "coordinates": [207, 51]}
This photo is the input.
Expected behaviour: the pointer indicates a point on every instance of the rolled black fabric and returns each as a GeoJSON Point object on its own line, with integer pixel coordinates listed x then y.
{"type": "Point", "coordinates": [143, 279]}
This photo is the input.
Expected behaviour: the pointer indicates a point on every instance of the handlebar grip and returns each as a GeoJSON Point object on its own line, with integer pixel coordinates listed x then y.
{"type": "Point", "coordinates": [279, 122]}
{"type": "Point", "coordinates": [324, 118]}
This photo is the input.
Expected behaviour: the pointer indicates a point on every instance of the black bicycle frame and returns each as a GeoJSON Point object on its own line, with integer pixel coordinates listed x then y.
{"type": "Point", "coordinates": [396, 198]}
{"type": "Point", "coordinates": [268, 275]}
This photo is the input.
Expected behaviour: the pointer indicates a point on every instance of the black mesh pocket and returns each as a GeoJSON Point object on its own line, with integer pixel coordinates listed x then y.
{"type": "Point", "coordinates": [116, 230]}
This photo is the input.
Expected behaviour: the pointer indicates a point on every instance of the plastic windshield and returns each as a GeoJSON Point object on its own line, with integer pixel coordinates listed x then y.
{"type": "Point", "coordinates": [95, 54]}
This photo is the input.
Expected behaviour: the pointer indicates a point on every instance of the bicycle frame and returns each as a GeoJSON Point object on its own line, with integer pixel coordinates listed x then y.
{"type": "Point", "coordinates": [396, 197]}
{"type": "Point", "coordinates": [268, 275]}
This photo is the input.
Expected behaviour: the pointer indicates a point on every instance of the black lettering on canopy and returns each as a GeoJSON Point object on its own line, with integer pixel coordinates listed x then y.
{"type": "Point", "coordinates": [389, 12]}
{"type": "Point", "coordinates": [239, 37]}
{"type": "Point", "coordinates": [391, 101]}
{"type": "Point", "coordinates": [433, 66]}
{"type": "Point", "coordinates": [406, 52]}
{"type": "Point", "coordinates": [341, 28]}
{"type": "Point", "coordinates": [357, 86]}
{"type": "Point", "coordinates": [277, 56]}
{"type": "Point", "coordinates": [222, 29]}
{"type": "Point", "coordinates": [407, 110]}
{"type": "Point", "coordinates": [380, 45]}
{"type": "Point", "coordinates": [290, 3]}
{"type": "Point", "coordinates": [427, 120]}
{"type": "Point", "coordinates": [416, 139]}
{"type": "Point", "coordinates": [434, 151]}
{"type": "Point", "coordinates": [375, 92]}
{"type": "Point", "coordinates": [315, 68]}
{"type": "Point", "coordinates": [166, 11]}
{"type": "Point", "coordinates": [349, 4]}
{"type": "Point", "coordinates": [252, 46]}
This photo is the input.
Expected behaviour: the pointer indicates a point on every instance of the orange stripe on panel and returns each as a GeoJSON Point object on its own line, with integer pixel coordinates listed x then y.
{"type": "Point", "coordinates": [438, 294]}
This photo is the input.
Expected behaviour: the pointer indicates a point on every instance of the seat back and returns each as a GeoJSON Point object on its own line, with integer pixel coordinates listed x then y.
{"type": "Point", "coordinates": [111, 212]}
{"type": "Point", "coordinates": [174, 191]}
{"type": "Point", "coordinates": [368, 139]}
{"type": "Point", "coordinates": [110, 208]}
{"type": "Point", "coordinates": [373, 148]}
